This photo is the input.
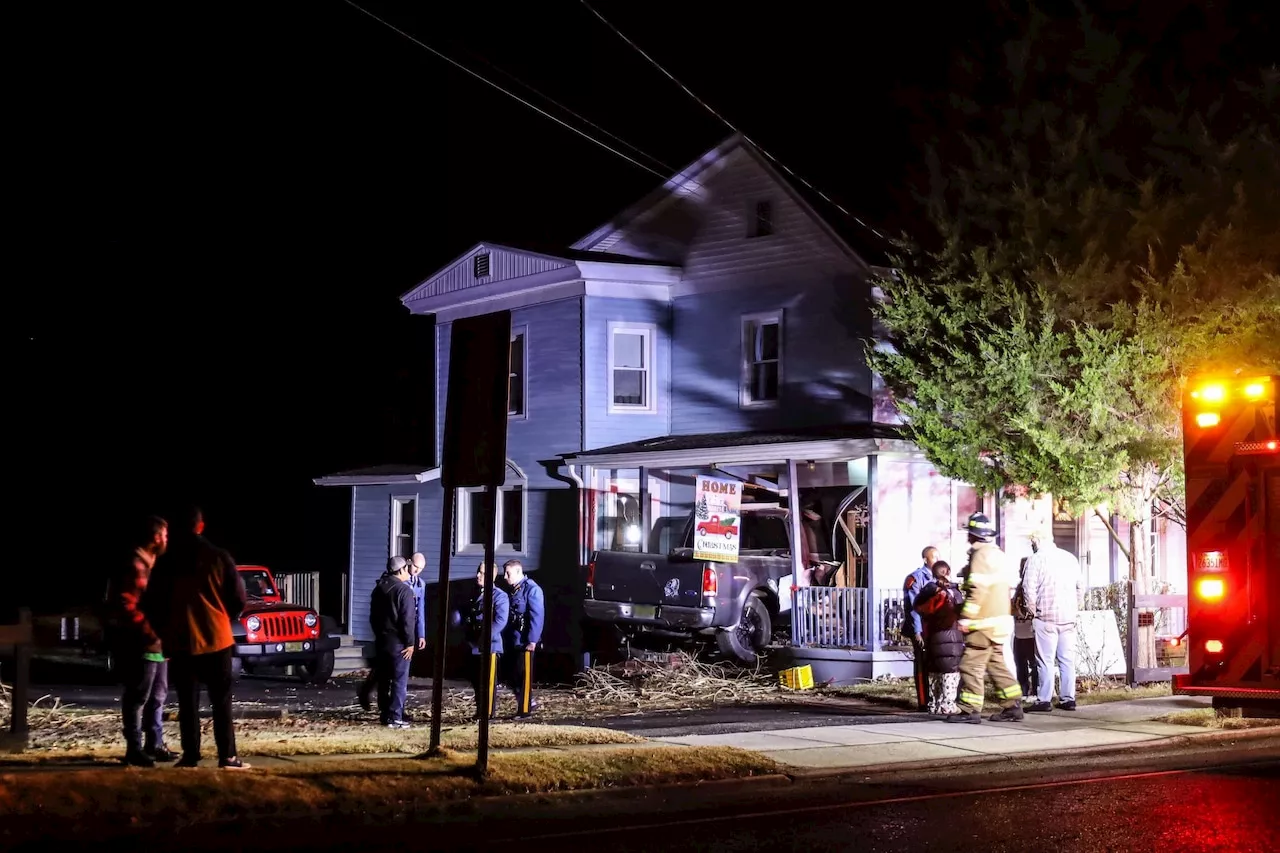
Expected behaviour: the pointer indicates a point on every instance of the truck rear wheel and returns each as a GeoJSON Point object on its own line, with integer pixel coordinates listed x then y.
{"type": "Point", "coordinates": [744, 641]}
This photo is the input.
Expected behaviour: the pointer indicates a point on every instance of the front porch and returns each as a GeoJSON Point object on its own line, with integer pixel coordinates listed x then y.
{"type": "Point", "coordinates": [878, 504]}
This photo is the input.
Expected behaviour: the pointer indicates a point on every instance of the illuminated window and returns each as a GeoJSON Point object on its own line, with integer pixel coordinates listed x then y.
{"type": "Point", "coordinates": [404, 526]}
{"type": "Point", "coordinates": [631, 373]}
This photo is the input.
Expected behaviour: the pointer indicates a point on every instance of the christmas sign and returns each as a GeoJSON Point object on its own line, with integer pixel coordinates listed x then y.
{"type": "Point", "coordinates": [717, 519]}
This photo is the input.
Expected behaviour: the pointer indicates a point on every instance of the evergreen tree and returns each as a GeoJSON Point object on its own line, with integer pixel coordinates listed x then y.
{"type": "Point", "coordinates": [703, 511]}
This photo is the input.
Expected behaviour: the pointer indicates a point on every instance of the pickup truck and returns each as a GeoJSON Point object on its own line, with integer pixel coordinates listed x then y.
{"type": "Point", "coordinates": [677, 599]}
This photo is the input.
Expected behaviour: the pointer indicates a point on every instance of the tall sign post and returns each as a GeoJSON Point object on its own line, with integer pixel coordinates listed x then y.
{"type": "Point", "coordinates": [474, 454]}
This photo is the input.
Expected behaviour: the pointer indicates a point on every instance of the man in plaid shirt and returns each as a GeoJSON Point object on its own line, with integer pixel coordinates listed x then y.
{"type": "Point", "coordinates": [1053, 586]}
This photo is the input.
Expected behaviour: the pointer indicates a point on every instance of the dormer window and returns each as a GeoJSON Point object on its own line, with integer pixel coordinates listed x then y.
{"type": "Point", "coordinates": [761, 224]}
{"type": "Point", "coordinates": [480, 265]}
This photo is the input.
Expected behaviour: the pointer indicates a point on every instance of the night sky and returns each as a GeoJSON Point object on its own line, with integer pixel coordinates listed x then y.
{"type": "Point", "coordinates": [216, 207]}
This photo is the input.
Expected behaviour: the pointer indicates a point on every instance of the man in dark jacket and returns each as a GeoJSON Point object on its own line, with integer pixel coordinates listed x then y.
{"type": "Point", "coordinates": [524, 632]}
{"type": "Point", "coordinates": [393, 618]}
{"type": "Point", "coordinates": [194, 594]}
{"type": "Point", "coordinates": [473, 623]}
{"type": "Point", "coordinates": [136, 652]}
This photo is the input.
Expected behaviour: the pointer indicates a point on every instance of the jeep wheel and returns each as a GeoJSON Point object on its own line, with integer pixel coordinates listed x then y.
{"type": "Point", "coordinates": [744, 641]}
{"type": "Point", "coordinates": [318, 669]}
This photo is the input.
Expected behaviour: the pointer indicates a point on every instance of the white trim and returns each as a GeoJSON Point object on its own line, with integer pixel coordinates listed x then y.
{"type": "Point", "coordinates": [650, 334]}
{"type": "Point", "coordinates": [425, 476]}
{"type": "Point", "coordinates": [826, 450]}
{"type": "Point", "coordinates": [521, 331]}
{"type": "Point", "coordinates": [628, 290]}
{"type": "Point", "coordinates": [655, 274]}
{"type": "Point", "coordinates": [397, 517]}
{"type": "Point", "coordinates": [503, 549]}
{"type": "Point", "coordinates": [492, 290]}
{"type": "Point", "coordinates": [758, 319]}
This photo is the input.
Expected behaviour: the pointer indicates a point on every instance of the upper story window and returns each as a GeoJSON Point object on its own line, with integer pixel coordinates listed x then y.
{"type": "Point", "coordinates": [762, 358]}
{"type": "Point", "coordinates": [631, 372]}
{"type": "Point", "coordinates": [404, 526]}
{"type": "Point", "coordinates": [480, 265]}
{"type": "Point", "coordinates": [761, 222]}
{"type": "Point", "coordinates": [518, 383]}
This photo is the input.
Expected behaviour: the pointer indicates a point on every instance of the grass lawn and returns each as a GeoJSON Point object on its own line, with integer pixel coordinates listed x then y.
{"type": "Point", "coordinates": [99, 803]}
{"type": "Point", "coordinates": [1207, 718]}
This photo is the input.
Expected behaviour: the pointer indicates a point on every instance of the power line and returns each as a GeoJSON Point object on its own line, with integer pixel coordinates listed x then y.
{"type": "Point", "coordinates": [730, 124]}
{"type": "Point", "coordinates": [508, 93]}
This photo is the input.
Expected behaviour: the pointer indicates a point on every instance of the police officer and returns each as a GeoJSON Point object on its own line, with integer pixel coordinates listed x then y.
{"type": "Point", "coordinates": [524, 632]}
{"type": "Point", "coordinates": [473, 623]}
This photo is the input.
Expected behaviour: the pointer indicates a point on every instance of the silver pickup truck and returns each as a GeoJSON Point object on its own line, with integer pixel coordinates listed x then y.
{"type": "Point", "coordinates": [676, 599]}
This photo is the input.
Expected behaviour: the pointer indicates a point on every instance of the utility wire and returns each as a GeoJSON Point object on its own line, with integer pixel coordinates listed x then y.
{"type": "Point", "coordinates": [730, 124]}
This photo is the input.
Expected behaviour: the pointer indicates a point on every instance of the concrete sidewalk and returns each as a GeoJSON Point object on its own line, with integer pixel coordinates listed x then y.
{"type": "Point", "coordinates": [1114, 724]}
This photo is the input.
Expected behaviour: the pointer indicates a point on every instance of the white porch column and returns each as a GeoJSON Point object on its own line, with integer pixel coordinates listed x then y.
{"type": "Point", "coordinates": [878, 539]}
{"type": "Point", "coordinates": [793, 515]}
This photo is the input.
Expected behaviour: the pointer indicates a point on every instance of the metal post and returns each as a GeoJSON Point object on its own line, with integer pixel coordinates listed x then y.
{"type": "Point", "coordinates": [442, 622]}
{"type": "Point", "coordinates": [21, 680]}
{"type": "Point", "coordinates": [797, 552]}
{"type": "Point", "coordinates": [1131, 663]}
{"type": "Point", "coordinates": [486, 672]}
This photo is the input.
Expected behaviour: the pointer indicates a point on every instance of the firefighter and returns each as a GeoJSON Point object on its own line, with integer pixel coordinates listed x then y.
{"type": "Point", "coordinates": [987, 624]}
{"type": "Point", "coordinates": [524, 632]}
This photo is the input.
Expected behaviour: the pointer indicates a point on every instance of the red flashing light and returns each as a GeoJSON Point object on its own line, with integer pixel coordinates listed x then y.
{"type": "Point", "coordinates": [1213, 647]}
{"type": "Point", "coordinates": [1211, 589]}
{"type": "Point", "coordinates": [710, 583]}
{"type": "Point", "coordinates": [1253, 448]}
{"type": "Point", "coordinates": [591, 573]}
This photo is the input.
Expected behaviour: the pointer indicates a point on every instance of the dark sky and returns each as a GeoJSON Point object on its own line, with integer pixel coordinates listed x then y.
{"type": "Point", "coordinates": [217, 205]}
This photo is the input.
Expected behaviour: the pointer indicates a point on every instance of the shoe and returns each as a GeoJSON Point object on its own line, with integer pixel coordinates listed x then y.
{"type": "Point", "coordinates": [160, 753]}
{"type": "Point", "coordinates": [134, 758]}
{"type": "Point", "coordinates": [365, 699]}
{"type": "Point", "coordinates": [398, 724]}
{"type": "Point", "coordinates": [973, 717]}
{"type": "Point", "coordinates": [1069, 705]}
{"type": "Point", "coordinates": [1012, 714]}
{"type": "Point", "coordinates": [234, 763]}
{"type": "Point", "coordinates": [188, 761]}
{"type": "Point", "coordinates": [1039, 708]}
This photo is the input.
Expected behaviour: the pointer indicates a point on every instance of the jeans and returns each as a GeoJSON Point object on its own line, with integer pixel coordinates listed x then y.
{"type": "Point", "coordinates": [1056, 643]}
{"type": "Point", "coordinates": [1024, 653]}
{"type": "Point", "coordinates": [393, 683]}
{"type": "Point", "coordinates": [146, 686]}
{"type": "Point", "coordinates": [214, 671]}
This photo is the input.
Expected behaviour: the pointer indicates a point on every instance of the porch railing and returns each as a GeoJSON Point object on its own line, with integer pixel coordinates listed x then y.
{"type": "Point", "coordinates": [838, 617]}
{"type": "Point", "coordinates": [301, 588]}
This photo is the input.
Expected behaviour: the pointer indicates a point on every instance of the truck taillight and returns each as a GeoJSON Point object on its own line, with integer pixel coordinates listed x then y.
{"type": "Point", "coordinates": [1211, 589]}
{"type": "Point", "coordinates": [710, 585]}
{"type": "Point", "coordinates": [591, 573]}
{"type": "Point", "coordinates": [1213, 647]}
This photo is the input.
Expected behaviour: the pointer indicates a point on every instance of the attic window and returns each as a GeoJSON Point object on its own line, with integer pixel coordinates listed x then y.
{"type": "Point", "coordinates": [761, 219]}
{"type": "Point", "coordinates": [480, 265]}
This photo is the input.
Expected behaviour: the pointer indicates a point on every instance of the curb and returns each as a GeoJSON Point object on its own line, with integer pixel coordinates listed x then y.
{"type": "Point", "coordinates": [849, 773]}
{"type": "Point", "coordinates": [630, 792]}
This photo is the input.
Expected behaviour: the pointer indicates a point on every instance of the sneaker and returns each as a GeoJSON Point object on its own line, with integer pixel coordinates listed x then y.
{"type": "Point", "coordinates": [1039, 708]}
{"type": "Point", "coordinates": [1012, 714]}
{"type": "Point", "coordinates": [234, 763]}
{"type": "Point", "coordinates": [973, 717]}
{"type": "Point", "coordinates": [1069, 705]}
{"type": "Point", "coordinates": [188, 761]}
{"type": "Point", "coordinates": [134, 758]}
{"type": "Point", "coordinates": [160, 753]}
{"type": "Point", "coordinates": [398, 724]}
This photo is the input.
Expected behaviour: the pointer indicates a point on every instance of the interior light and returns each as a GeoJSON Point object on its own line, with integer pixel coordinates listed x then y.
{"type": "Point", "coordinates": [1214, 393]}
{"type": "Point", "coordinates": [1211, 589]}
{"type": "Point", "coordinates": [1175, 642]}
{"type": "Point", "coordinates": [633, 534]}
{"type": "Point", "coordinates": [1207, 419]}
{"type": "Point", "coordinates": [1213, 647]}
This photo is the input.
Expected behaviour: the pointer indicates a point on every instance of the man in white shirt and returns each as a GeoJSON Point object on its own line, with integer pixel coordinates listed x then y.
{"type": "Point", "coordinates": [1053, 587]}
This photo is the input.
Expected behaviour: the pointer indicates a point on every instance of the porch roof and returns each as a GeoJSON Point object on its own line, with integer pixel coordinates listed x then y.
{"type": "Point", "coordinates": [828, 443]}
{"type": "Point", "coordinates": [380, 475]}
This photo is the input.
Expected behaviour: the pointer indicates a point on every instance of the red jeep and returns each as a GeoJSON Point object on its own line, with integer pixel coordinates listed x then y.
{"type": "Point", "coordinates": [273, 633]}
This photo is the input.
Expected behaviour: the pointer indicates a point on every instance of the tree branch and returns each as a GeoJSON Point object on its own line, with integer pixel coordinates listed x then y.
{"type": "Point", "coordinates": [1114, 536]}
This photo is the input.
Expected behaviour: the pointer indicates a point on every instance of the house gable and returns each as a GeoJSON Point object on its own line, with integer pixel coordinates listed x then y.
{"type": "Point", "coordinates": [704, 219]}
{"type": "Point", "coordinates": [486, 264]}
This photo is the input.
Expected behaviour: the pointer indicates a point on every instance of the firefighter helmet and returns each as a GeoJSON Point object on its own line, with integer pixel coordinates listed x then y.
{"type": "Point", "coordinates": [981, 528]}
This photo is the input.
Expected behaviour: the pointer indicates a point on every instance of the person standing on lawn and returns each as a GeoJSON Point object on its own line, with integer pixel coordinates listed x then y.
{"type": "Point", "coordinates": [394, 624]}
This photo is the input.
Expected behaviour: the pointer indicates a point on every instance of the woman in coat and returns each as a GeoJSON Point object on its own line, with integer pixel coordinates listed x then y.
{"type": "Point", "coordinates": [939, 607]}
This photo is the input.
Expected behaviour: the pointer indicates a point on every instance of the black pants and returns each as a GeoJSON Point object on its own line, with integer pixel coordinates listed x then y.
{"type": "Point", "coordinates": [186, 674]}
{"type": "Point", "coordinates": [1024, 658]}
{"type": "Point", "coordinates": [519, 662]}
{"type": "Point", "coordinates": [920, 671]}
{"type": "Point", "coordinates": [482, 687]}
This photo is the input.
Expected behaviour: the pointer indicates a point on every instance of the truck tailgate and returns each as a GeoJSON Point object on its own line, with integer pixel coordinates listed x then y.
{"type": "Point", "coordinates": [647, 579]}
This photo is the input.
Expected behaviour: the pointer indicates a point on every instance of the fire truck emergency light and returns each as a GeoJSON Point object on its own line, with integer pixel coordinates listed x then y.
{"type": "Point", "coordinates": [1213, 647]}
{"type": "Point", "coordinates": [1211, 589]}
{"type": "Point", "coordinates": [1214, 393]}
{"type": "Point", "coordinates": [1256, 448]}
{"type": "Point", "coordinates": [1207, 419]}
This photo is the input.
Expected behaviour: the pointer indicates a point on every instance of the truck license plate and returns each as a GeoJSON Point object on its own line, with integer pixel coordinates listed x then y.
{"type": "Point", "coordinates": [643, 611]}
{"type": "Point", "coordinates": [293, 647]}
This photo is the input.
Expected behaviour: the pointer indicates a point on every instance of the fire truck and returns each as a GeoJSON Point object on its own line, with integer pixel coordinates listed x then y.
{"type": "Point", "coordinates": [1231, 451]}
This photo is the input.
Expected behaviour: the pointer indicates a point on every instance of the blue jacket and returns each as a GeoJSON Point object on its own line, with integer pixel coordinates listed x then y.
{"type": "Point", "coordinates": [527, 614]}
{"type": "Point", "coordinates": [419, 588]}
{"type": "Point", "coordinates": [473, 619]}
{"type": "Point", "coordinates": [911, 587]}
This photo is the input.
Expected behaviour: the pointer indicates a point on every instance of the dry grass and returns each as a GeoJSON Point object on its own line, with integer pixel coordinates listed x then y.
{"type": "Point", "coordinates": [1112, 692]}
{"type": "Point", "coordinates": [1208, 719]}
{"type": "Point", "coordinates": [57, 805]}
